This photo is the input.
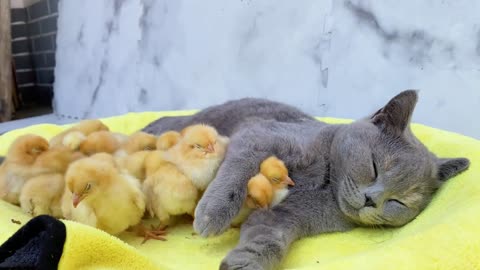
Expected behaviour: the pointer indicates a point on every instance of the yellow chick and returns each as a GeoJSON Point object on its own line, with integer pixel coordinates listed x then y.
{"type": "Point", "coordinates": [153, 161]}
{"type": "Point", "coordinates": [266, 189]}
{"type": "Point", "coordinates": [85, 126]}
{"type": "Point", "coordinates": [134, 164]}
{"type": "Point", "coordinates": [277, 173]}
{"type": "Point", "coordinates": [139, 141]}
{"type": "Point", "coordinates": [73, 140]}
{"type": "Point", "coordinates": [100, 142]}
{"type": "Point", "coordinates": [167, 140]}
{"type": "Point", "coordinates": [259, 195]}
{"type": "Point", "coordinates": [41, 194]}
{"type": "Point", "coordinates": [131, 156]}
{"type": "Point", "coordinates": [19, 165]}
{"type": "Point", "coordinates": [198, 154]}
{"type": "Point", "coordinates": [169, 193]}
{"type": "Point", "coordinates": [98, 195]}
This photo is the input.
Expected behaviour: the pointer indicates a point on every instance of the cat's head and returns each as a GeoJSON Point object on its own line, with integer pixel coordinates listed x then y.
{"type": "Point", "coordinates": [383, 174]}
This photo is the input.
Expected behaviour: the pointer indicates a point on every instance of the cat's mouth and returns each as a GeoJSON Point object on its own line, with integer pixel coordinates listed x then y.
{"type": "Point", "coordinates": [348, 209]}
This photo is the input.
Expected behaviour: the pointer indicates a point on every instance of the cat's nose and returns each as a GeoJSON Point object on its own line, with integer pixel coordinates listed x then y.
{"type": "Point", "coordinates": [369, 202]}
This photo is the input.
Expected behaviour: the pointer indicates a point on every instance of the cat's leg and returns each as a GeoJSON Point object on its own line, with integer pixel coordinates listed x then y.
{"type": "Point", "coordinates": [267, 234]}
{"type": "Point", "coordinates": [225, 195]}
{"type": "Point", "coordinates": [264, 240]}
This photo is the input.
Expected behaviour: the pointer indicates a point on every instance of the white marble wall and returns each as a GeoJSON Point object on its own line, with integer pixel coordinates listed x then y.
{"type": "Point", "coordinates": [331, 58]}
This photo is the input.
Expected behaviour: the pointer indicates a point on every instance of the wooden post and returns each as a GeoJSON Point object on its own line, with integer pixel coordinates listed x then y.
{"type": "Point", "coordinates": [6, 78]}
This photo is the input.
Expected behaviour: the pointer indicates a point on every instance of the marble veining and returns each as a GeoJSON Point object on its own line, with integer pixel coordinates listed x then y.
{"type": "Point", "coordinates": [331, 58]}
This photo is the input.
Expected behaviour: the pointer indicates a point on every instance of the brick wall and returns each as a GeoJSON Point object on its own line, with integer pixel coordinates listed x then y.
{"type": "Point", "coordinates": [34, 30]}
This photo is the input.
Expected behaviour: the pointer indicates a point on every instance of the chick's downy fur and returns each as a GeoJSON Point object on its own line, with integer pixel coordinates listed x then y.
{"type": "Point", "coordinates": [85, 127]}
{"type": "Point", "coordinates": [167, 140]}
{"type": "Point", "coordinates": [138, 141]}
{"type": "Point", "coordinates": [41, 194]}
{"type": "Point", "coordinates": [198, 154]}
{"type": "Point", "coordinates": [20, 165]}
{"type": "Point", "coordinates": [169, 193]}
{"type": "Point", "coordinates": [97, 194]}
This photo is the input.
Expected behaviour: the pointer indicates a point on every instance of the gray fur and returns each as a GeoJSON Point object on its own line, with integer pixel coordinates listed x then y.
{"type": "Point", "coordinates": [332, 166]}
{"type": "Point", "coordinates": [226, 117]}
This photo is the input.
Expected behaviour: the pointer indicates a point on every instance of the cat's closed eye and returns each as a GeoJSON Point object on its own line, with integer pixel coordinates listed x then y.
{"type": "Point", "coordinates": [397, 202]}
{"type": "Point", "coordinates": [375, 171]}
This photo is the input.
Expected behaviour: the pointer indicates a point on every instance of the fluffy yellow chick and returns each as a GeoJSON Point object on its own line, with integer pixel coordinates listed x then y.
{"type": "Point", "coordinates": [259, 195]}
{"type": "Point", "coordinates": [73, 140]}
{"type": "Point", "coordinates": [153, 161]}
{"type": "Point", "coordinates": [266, 189]}
{"type": "Point", "coordinates": [98, 195]}
{"type": "Point", "coordinates": [138, 141]}
{"type": "Point", "coordinates": [132, 154]}
{"type": "Point", "coordinates": [277, 173]}
{"type": "Point", "coordinates": [198, 154]}
{"type": "Point", "coordinates": [86, 127]}
{"type": "Point", "coordinates": [167, 140]}
{"type": "Point", "coordinates": [169, 193]}
{"type": "Point", "coordinates": [134, 164]}
{"type": "Point", "coordinates": [100, 142]}
{"type": "Point", "coordinates": [19, 165]}
{"type": "Point", "coordinates": [42, 194]}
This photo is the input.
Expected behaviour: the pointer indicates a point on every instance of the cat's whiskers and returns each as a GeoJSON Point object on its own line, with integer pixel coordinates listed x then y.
{"type": "Point", "coordinates": [377, 218]}
{"type": "Point", "coordinates": [349, 186]}
{"type": "Point", "coordinates": [333, 179]}
{"type": "Point", "coordinates": [355, 187]}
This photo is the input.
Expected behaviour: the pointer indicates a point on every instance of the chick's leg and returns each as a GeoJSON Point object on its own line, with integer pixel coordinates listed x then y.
{"type": "Point", "coordinates": [156, 233]}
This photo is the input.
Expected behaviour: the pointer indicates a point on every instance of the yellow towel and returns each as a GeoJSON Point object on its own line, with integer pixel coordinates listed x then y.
{"type": "Point", "coordinates": [445, 236]}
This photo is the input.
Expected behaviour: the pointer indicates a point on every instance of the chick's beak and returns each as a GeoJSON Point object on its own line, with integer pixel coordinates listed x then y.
{"type": "Point", "coordinates": [210, 148]}
{"type": "Point", "coordinates": [289, 181]}
{"type": "Point", "coordinates": [76, 199]}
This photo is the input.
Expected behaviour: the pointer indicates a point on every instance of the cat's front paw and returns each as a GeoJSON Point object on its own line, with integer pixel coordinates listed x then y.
{"type": "Point", "coordinates": [211, 217]}
{"type": "Point", "coordinates": [239, 260]}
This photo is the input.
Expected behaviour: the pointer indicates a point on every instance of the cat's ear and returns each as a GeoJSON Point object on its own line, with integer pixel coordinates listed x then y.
{"type": "Point", "coordinates": [449, 167]}
{"type": "Point", "coordinates": [394, 117]}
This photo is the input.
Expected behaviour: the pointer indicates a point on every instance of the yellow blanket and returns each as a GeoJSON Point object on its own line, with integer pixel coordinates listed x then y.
{"type": "Point", "coordinates": [445, 236]}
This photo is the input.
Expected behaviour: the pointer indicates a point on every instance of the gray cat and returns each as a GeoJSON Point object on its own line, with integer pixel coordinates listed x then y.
{"type": "Point", "coordinates": [368, 173]}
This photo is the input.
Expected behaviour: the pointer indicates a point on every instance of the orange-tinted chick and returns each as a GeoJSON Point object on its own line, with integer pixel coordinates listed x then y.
{"type": "Point", "coordinates": [41, 194]}
{"type": "Point", "coordinates": [19, 165]}
{"type": "Point", "coordinates": [100, 142]}
{"type": "Point", "coordinates": [85, 126]}
{"type": "Point", "coordinates": [259, 195]}
{"type": "Point", "coordinates": [266, 189]}
{"type": "Point", "coordinates": [277, 173]}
